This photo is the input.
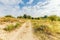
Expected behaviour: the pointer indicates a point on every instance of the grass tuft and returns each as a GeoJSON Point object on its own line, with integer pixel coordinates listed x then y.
{"type": "Point", "coordinates": [11, 27]}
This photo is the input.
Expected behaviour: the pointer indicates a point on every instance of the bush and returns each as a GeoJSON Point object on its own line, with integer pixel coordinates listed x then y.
{"type": "Point", "coordinates": [43, 28]}
{"type": "Point", "coordinates": [9, 16]}
{"type": "Point", "coordinates": [11, 27]}
{"type": "Point", "coordinates": [53, 18]}
{"type": "Point", "coordinates": [19, 17]}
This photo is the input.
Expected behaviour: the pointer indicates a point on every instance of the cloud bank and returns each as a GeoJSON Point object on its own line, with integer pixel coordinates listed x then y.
{"type": "Point", "coordinates": [34, 8]}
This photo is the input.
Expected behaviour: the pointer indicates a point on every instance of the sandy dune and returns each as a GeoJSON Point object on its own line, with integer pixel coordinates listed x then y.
{"type": "Point", "coordinates": [25, 32]}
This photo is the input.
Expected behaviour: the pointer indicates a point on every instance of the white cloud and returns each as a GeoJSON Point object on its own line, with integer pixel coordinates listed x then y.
{"type": "Point", "coordinates": [52, 8]}
{"type": "Point", "coordinates": [10, 2]}
{"type": "Point", "coordinates": [47, 8]}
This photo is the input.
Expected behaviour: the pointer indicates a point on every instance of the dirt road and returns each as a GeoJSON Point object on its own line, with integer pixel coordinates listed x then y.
{"type": "Point", "coordinates": [25, 32]}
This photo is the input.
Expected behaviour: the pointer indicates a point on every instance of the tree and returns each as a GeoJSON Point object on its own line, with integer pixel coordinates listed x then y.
{"type": "Point", "coordinates": [32, 18]}
{"type": "Point", "coordinates": [27, 16]}
{"type": "Point", "coordinates": [24, 16]}
{"type": "Point", "coordinates": [45, 16]}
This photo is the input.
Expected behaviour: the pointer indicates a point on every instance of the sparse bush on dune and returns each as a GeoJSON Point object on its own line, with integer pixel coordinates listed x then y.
{"type": "Point", "coordinates": [11, 27]}
{"type": "Point", "coordinates": [43, 28]}
{"type": "Point", "coordinates": [8, 19]}
{"type": "Point", "coordinates": [54, 18]}
{"type": "Point", "coordinates": [9, 16]}
{"type": "Point", "coordinates": [19, 17]}
{"type": "Point", "coordinates": [46, 26]}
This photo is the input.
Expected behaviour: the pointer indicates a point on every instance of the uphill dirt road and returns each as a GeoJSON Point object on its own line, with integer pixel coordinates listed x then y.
{"type": "Point", "coordinates": [23, 33]}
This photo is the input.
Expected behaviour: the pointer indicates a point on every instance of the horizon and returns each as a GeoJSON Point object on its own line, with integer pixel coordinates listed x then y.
{"type": "Point", "coordinates": [28, 15]}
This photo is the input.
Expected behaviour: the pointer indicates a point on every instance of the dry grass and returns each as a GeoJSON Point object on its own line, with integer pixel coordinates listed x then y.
{"type": "Point", "coordinates": [12, 23]}
{"type": "Point", "coordinates": [53, 25]}
{"type": "Point", "coordinates": [46, 28]}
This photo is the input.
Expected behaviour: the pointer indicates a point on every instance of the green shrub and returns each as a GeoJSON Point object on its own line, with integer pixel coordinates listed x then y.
{"type": "Point", "coordinates": [11, 27]}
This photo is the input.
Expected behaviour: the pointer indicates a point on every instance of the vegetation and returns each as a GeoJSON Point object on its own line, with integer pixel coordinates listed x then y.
{"type": "Point", "coordinates": [38, 22]}
{"type": "Point", "coordinates": [11, 27]}
{"type": "Point", "coordinates": [46, 22]}
{"type": "Point", "coordinates": [25, 16]}
{"type": "Point", "coordinates": [42, 26]}
{"type": "Point", "coordinates": [43, 29]}
{"type": "Point", "coordinates": [46, 26]}
{"type": "Point", "coordinates": [9, 16]}
{"type": "Point", "coordinates": [52, 17]}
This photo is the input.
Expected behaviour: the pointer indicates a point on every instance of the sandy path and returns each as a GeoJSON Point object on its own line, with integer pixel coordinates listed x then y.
{"type": "Point", "coordinates": [13, 35]}
{"type": "Point", "coordinates": [23, 33]}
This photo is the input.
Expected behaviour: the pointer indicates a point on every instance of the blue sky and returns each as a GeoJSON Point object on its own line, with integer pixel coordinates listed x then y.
{"type": "Point", "coordinates": [34, 8]}
{"type": "Point", "coordinates": [25, 3]}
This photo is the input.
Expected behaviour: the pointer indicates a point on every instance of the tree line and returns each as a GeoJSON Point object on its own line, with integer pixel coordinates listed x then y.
{"type": "Point", "coordinates": [25, 16]}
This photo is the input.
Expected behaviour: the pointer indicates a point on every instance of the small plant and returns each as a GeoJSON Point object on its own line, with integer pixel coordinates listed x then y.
{"type": "Point", "coordinates": [17, 24]}
{"type": "Point", "coordinates": [11, 27]}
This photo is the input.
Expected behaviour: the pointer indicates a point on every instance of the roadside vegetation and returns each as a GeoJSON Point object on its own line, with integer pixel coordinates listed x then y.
{"type": "Point", "coordinates": [11, 27]}
{"type": "Point", "coordinates": [42, 26]}
{"type": "Point", "coordinates": [11, 22]}
{"type": "Point", "coordinates": [45, 21]}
